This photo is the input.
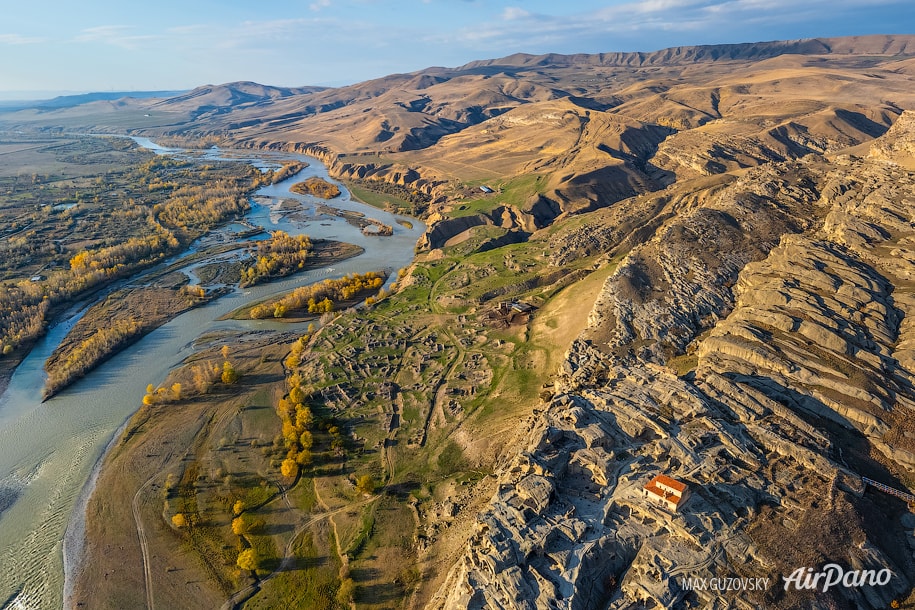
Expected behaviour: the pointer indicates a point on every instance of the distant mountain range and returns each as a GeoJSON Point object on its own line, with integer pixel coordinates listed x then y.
{"type": "Point", "coordinates": [719, 241]}
{"type": "Point", "coordinates": [69, 101]}
{"type": "Point", "coordinates": [604, 126]}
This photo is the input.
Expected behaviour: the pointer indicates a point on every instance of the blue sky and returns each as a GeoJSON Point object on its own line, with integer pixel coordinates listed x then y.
{"type": "Point", "coordinates": [108, 45]}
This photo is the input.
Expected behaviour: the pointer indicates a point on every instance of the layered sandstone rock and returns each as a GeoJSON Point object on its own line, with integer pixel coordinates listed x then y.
{"type": "Point", "coordinates": [799, 279]}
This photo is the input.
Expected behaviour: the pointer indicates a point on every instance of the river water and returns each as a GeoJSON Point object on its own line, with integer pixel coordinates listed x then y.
{"type": "Point", "coordinates": [48, 450]}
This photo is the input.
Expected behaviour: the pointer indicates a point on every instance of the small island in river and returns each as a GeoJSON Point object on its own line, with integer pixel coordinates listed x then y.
{"type": "Point", "coordinates": [317, 187]}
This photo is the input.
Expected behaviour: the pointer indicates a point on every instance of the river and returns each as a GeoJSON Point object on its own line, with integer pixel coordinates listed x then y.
{"type": "Point", "coordinates": [48, 450]}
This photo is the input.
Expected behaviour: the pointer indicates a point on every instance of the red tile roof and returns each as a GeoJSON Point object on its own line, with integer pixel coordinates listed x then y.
{"type": "Point", "coordinates": [672, 483]}
{"type": "Point", "coordinates": [666, 495]}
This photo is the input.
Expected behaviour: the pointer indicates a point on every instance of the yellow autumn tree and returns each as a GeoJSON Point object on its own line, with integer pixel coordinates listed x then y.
{"type": "Point", "coordinates": [229, 374]}
{"type": "Point", "coordinates": [297, 395]}
{"type": "Point", "coordinates": [304, 418]}
{"type": "Point", "coordinates": [303, 458]}
{"type": "Point", "coordinates": [239, 526]}
{"type": "Point", "coordinates": [179, 520]}
{"type": "Point", "coordinates": [289, 468]}
{"type": "Point", "coordinates": [365, 484]}
{"type": "Point", "coordinates": [289, 432]}
{"type": "Point", "coordinates": [248, 560]}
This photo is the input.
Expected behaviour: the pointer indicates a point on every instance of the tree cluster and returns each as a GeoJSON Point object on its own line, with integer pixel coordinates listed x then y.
{"type": "Point", "coordinates": [278, 256]}
{"type": "Point", "coordinates": [273, 176]}
{"type": "Point", "coordinates": [297, 423]}
{"type": "Point", "coordinates": [110, 261]}
{"type": "Point", "coordinates": [319, 298]}
{"type": "Point", "coordinates": [209, 195]}
{"type": "Point", "coordinates": [91, 351]}
{"type": "Point", "coordinates": [24, 304]}
{"type": "Point", "coordinates": [204, 375]}
{"type": "Point", "coordinates": [194, 210]}
{"type": "Point", "coordinates": [20, 325]}
{"type": "Point", "coordinates": [418, 201]}
{"type": "Point", "coordinates": [317, 187]}
{"type": "Point", "coordinates": [298, 348]}
{"type": "Point", "coordinates": [156, 395]}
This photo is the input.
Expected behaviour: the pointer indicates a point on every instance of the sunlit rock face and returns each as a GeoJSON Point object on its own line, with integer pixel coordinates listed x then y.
{"type": "Point", "coordinates": [790, 290]}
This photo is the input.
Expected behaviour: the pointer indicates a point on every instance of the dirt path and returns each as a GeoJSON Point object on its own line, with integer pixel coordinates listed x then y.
{"type": "Point", "coordinates": [288, 558]}
{"type": "Point", "coordinates": [144, 545]}
{"type": "Point", "coordinates": [333, 525]}
{"type": "Point", "coordinates": [388, 444]}
{"type": "Point", "coordinates": [438, 393]}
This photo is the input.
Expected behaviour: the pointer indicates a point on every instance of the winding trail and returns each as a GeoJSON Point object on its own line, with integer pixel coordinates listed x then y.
{"type": "Point", "coordinates": [144, 545]}
{"type": "Point", "coordinates": [107, 397]}
{"type": "Point", "coordinates": [288, 558]}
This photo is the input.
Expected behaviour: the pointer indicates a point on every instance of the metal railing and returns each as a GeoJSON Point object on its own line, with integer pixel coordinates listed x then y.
{"type": "Point", "coordinates": [890, 490]}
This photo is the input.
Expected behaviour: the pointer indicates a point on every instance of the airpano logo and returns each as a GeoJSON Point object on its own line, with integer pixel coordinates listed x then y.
{"type": "Point", "coordinates": [834, 575]}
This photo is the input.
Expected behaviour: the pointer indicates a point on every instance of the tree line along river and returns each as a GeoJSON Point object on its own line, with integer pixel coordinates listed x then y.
{"type": "Point", "coordinates": [49, 450]}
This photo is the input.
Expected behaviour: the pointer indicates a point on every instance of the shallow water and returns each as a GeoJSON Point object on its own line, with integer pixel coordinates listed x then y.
{"type": "Point", "coordinates": [48, 450]}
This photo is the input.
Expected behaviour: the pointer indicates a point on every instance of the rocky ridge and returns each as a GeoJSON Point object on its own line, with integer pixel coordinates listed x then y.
{"type": "Point", "coordinates": [797, 315]}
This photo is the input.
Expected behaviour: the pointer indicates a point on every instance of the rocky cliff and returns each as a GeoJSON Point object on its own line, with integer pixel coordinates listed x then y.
{"type": "Point", "coordinates": [784, 297]}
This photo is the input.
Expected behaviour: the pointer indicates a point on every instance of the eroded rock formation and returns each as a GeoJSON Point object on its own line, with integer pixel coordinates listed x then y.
{"type": "Point", "coordinates": [790, 288]}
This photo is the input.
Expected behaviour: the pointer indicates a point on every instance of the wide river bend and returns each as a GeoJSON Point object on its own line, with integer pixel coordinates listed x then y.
{"type": "Point", "coordinates": [49, 450]}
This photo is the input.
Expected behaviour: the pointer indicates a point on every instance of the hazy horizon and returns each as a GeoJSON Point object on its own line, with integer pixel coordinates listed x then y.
{"type": "Point", "coordinates": [107, 46]}
{"type": "Point", "coordinates": [39, 96]}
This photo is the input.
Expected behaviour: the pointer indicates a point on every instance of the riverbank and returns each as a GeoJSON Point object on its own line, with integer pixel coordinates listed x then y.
{"type": "Point", "coordinates": [308, 303]}
{"type": "Point", "coordinates": [116, 323]}
{"type": "Point", "coordinates": [74, 542]}
{"type": "Point", "coordinates": [205, 442]}
{"type": "Point", "coordinates": [51, 449]}
{"type": "Point", "coordinates": [57, 314]}
{"type": "Point", "coordinates": [7, 368]}
{"type": "Point", "coordinates": [129, 314]}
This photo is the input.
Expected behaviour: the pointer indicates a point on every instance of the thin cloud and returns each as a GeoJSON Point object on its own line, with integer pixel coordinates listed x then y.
{"type": "Point", "coordinates": [187, 30]}
{"type": "Point", "coordinates": [102, 33]}
{"type": "Point", "coordinates": [513, 12]}
{"type": "Point", "coordinates": [118, 36]}
{"type": "Point", "coordinates": [17, 39]}
{"type": "Point", "coordinates": [275, 36]}
{"type": "Point", "coordinates": [519, 28]}
{"type": "Point", "coordinates": [306, 32]}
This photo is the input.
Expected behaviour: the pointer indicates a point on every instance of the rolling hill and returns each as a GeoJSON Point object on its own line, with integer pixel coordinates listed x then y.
{"type": "Point", "coordinates": [713, 249]}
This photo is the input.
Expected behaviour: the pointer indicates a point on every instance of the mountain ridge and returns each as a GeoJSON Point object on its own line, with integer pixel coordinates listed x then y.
{"type": "Point", "coordinates": [729, 231]}
{"type": "Point", "coordinates": [889, 44]}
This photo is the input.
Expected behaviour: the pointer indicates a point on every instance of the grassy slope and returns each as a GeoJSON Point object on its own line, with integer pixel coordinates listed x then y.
{"type": "Point", "coordinates": [212, 447]}
{"type": "Point", "coordinates": [431, 340]}
{"type": "Point", "coordinates": [514, 192]}
{"type": "Point", "coordinates": [463, 385]}
{"type": "Point", "coordinates": [379, 200]}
